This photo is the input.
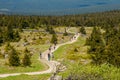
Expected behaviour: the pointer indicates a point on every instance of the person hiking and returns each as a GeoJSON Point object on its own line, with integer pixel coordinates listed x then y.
{"type": "Point", "coordinates": [48, 56]}
{"type": "Point", "coordinates": [40, 55]}
{"type": "Point", "coordinates": [50, 48]}
{"type": "Point", "coordinates": [55, 43]}
{"type": "Point", "coordinates": [54, 47]}
{"type": "Point", "coordinates": [52, 55]}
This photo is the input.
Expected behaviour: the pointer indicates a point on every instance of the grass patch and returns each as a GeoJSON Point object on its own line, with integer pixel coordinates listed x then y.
{"type": "Point", "coordinates": [73, 29]}
{"type": "Point", "coordinates": [62, 51]}
{"type": "Point", "coordinates": [28, 77]}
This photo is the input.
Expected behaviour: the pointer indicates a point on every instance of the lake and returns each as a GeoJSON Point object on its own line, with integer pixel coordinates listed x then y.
{"type": "Point", "coordinates": [57, 6]}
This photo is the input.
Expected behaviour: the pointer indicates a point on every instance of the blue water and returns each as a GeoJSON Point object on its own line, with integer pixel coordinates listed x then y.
{"type": "Point", "coordinates": [48, 6]}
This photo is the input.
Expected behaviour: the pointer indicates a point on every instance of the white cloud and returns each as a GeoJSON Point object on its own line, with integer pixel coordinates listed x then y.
{"type": "Point", "coordinates": [4, 9]}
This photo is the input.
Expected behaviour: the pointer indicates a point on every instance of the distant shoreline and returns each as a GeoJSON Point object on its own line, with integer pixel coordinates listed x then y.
{"type": "Point", "coordinates": [54, 13]}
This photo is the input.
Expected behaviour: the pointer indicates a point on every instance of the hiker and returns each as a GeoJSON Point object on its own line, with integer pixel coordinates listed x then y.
{"type": "Point", "coordinates": [40, 55]}
{"type": "Point", "coordinates": [55, 43]}
{"type": "Point", "coordinates": [54, 47]}
{"type": "Point", "coordinates": [52, 55]}
{"type": "Point", "coordinates": [74, 37]}
{"type": "Point", "coordinates": [48, 56]}
{"type": "Point", "coordinates": [50, 48]}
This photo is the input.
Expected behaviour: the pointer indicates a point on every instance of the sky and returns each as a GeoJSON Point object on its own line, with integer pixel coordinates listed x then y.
{"type": "Point", "coordinates": [56, 5]}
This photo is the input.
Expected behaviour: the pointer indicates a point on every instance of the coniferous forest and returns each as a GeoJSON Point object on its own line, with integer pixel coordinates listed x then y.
{"type": "Point", "coordinates": [103, 19]}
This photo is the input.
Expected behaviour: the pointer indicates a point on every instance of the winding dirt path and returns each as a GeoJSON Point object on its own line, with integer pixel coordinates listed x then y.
{"type": "Point", "coordinates": [51, 64]}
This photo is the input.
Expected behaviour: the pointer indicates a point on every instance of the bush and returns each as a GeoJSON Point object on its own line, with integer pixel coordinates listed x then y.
{"type": "Point", "coordinates": [82, 30]}
{"type": "Point", "coordinates": [54, 39]}
{"type": "Point", "coordinates": [65, 34]}
{"type": "Point", "coordinates": [93, 72]}
{"type": "Point", "coordinates": [85, 76]}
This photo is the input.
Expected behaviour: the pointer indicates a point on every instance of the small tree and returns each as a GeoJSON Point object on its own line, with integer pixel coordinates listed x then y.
{"type": "Point", "coordinates": [50, 30]}
{"type": "Point", "coordinates": [14, 59]}
{"type": "Point", "coordinates": [97, 46]}
{"type": "Point", "coordinates": [26, 59]}
{"type": "Point", "coordinates": [54, 39]}
{"type": "Point", "coordinates": [82, 30]}
{"type": "Point", "coordinates": [1, 37]}
{"type": "Point", "coordinates": [65, 33]}
{"type": "Point", "coordinates": [112, 49]}
{"type": "Point", "coordinates": [9, 34]}
{"type": "Point", "coordinates": [16, 36]}
{"type": "Point", "coordinates": [75, 50]}
{"type": "Point", "coordinates": [24, 24]}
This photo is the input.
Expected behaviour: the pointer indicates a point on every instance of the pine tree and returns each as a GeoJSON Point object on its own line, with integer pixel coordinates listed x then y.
{"type": "Point", "coordinates": [9, 34]}
{"type": "Point", "coordinates": [65, 33]}
{"type": "Point", "coordinates": [16, 36]}
{"type": "Point", "coordinates": [1, 36]}
{"type": "Point", "coordinates": [26, 60]}
{"type": "Point", "coordinates": [82, 30]}
{"type": "Point", "coordinates": [54, 39]}
{"type": "Point", "coordinates": [112, 50]}
{"type": "Point", "coordinates": [75, 50]}
{"type": "Point", "coordinates": [107, 49]}
{"type": "Point", "coordinates": [24, 24]}
{"type": "Point", "coordinates": [14, 58]}
{"type": "Point", "coordinates": [96, 44]}
{"type": "Point", "coordinates": [50, 30]}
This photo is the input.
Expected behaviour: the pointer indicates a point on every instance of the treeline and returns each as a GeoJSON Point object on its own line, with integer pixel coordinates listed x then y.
{"type": "Point", "coordinates": [103, 19]}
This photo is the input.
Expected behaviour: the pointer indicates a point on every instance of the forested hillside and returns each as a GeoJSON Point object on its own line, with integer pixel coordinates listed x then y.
{"type": "Point", "coordinates": [104, 19]}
